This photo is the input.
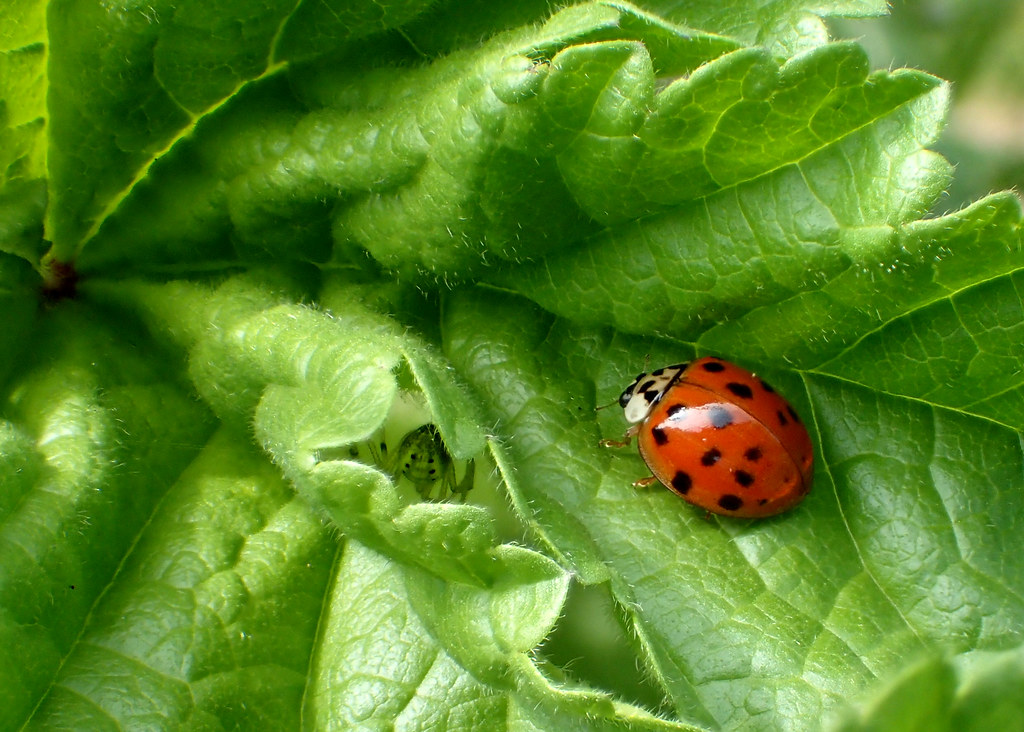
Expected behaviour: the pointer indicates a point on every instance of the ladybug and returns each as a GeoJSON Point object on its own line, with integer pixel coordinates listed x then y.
{"type": "Point", "coordinates": [719, 437]}
{"type": "Point", "coordinates": [424, 461]}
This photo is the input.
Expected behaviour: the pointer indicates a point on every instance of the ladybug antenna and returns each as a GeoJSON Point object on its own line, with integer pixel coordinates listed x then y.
{"type": "Point", "coordinates": [599, 407]}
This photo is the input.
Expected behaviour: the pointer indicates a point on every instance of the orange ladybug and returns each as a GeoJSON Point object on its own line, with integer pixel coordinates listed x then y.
{"type": "Point", "coordinates": [719, 437]}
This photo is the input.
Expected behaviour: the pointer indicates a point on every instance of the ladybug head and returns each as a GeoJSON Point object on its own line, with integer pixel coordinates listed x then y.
{"type": "Point", "coordinates": [630, 390]}
{"type": "Point", "coordinates": [646, 390]}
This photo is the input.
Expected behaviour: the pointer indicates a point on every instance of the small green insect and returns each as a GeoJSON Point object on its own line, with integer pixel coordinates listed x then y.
{"type": "Point", "coordinates": [424, 461]}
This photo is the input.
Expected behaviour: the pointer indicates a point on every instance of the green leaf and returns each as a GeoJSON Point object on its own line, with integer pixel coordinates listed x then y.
{"type": "Point", "coordinates": [433, 181]}
{"type": "Point", "coordinates": [315, 29]}
{"type": "Point", "coordinates": [737, 118]}
{"type": "Point", "coordinates": [313, 386]}
{"type": "Point", "coordinates": [219, 597]}
{"type": "Point", "coordinates": [22, 91]}
{"type": "Point", "coordinates": [711, 259]}
{"type": "Point", "coordinates": [919, 264]}
{"type": "Point", "coordinates": [159, 68]}
{"type": "Point", "coordinates": [832, 591]}
{"type": "Point", "coordinates": [971, 692]}
{"type": "Point", "coordinates": [787, 27]}
{"type": "Point", "coordinates": [398, 655]}
{"type": "Point", "coordinates": [22, 129]}
{"type": "Point", "coordinates": [19, 302]}
{"type": "Point", "coordinates": [94, 437]}
{"type": "Point", "coordinates": [311, 310]}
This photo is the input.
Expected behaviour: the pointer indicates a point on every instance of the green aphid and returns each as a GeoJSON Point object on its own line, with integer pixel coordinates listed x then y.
{"type": "Point", "coordinates": [424, 461]}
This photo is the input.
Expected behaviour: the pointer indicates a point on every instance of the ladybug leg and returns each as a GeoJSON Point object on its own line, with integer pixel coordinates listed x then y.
{"type": "Point", "coordinates": [645, 482]}
{"type": "Point", "coordinates": [624, 442]}
{"type": "Point", "coordinates": [617, 443]}
{"type": "Point", "coordinates": [378, 451]}
{"type": "Point", "coordinates": [461, 490]}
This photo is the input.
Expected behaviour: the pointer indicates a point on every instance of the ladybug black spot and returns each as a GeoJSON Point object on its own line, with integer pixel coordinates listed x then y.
{"type": "Point", "coordinates": [713, 367]}
{"type": "Point", "coordinates": [782, 418]}
{"type": "Point", "coordinates": [730, 502]}
{"type": "Point", "coordinates": [646, 385]}
{"type": "Point", "coordinates": [766, 386]}
{"type": "Point", "coordinates": [753, 454]}
{"type": "Point", "coordinates": [762, 502]}
{"type": "Point", "coordinates": [793, 414]}
{"type": "Point", "coordinates": [720, 417]}
{"type": "Point", "coordinates": [659, 435]}
{"type": "Point", "coordinates": [744, 478]}
{"type": "Point", "coordinates": [741, 390]}
{"type": "Point", "coordinates": [681, 482]}
{"type": "Point", "coordinates": [674, 410]}
{"type": "Point", "coordinates": [657, 372]}
{"type": "Point", "coordinates": [711, 457]}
